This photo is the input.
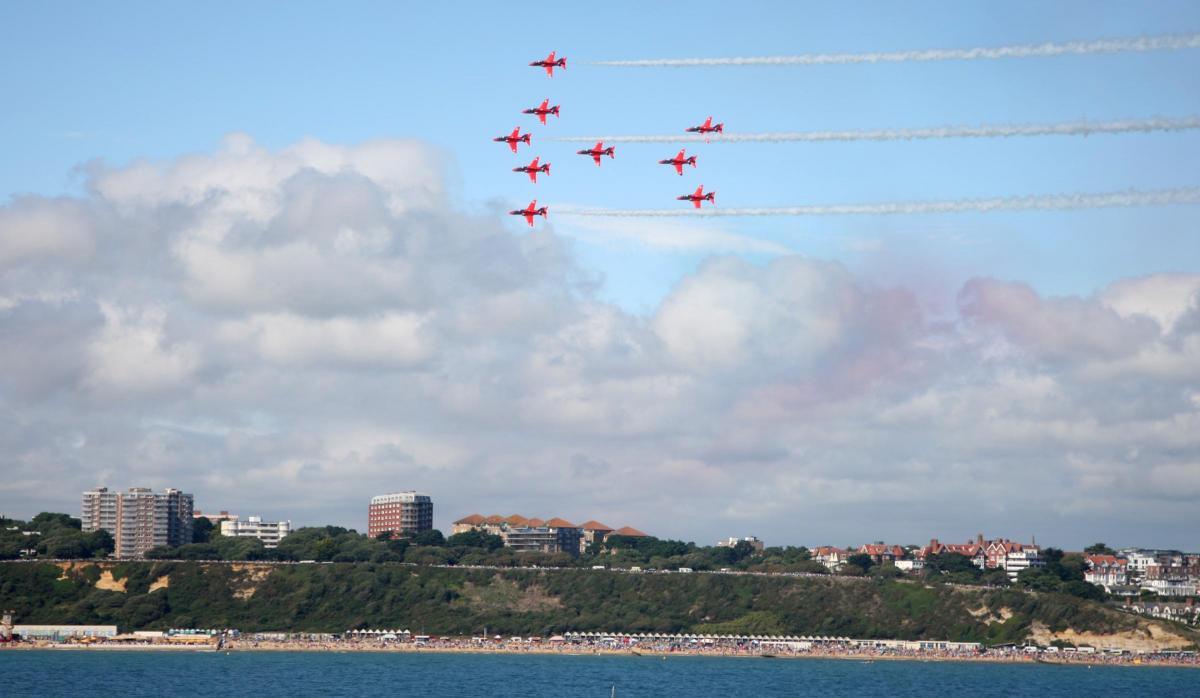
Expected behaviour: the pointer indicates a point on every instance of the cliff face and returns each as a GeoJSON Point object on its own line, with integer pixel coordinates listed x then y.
{"type": "Point", "coordinates": [336, 597]}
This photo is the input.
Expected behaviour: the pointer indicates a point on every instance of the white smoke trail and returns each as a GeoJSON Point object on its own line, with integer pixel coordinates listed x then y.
{"type": "Point", "coordinates": [1171, 42]}
{"type": "Point", "coordinates": [1051, 202]}
{"type": "Point", "coordinates": [1068, 128]}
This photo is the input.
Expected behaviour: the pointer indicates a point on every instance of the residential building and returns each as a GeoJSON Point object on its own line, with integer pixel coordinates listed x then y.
{"type": "Point", "coordinates": [881, 553]}
{"type": "Point", "coordinates": [399, 513]}
{"type": "Point", "coordinates": [534, 534]}
{"type": "Point", "coordinates": [732, 542]}
{"type": "Point", "coordinates": [909, 565]}
{"type": "Point", "coordinates": [1171, 580]}
{"type": "Point", "coordinates": [270, 533]}
{"type": "Point", "coordinates": [1001, 553]}
{"type": "Point", "coordinates": [1106, 570]}
{"type": "Point", "coordinates": [593, 532]}
{"type": "Point", "coordinates": [833, 558]}
{"type": "Point", "coordinates": [1021, 558]}
{"type": "Point", "coordinates": [630, 532]}
{"type": "Point", "coordinates": [215, 518]}
{"type": "Point", "coordinates": [531, 540]}
{"type": "Point", "coordinates": [138, 519]}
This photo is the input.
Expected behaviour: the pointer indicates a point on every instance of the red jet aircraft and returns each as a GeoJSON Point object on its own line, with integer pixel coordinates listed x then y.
{"type": "Point", "coordinates": [699, 196]}
{"type": "Point", "coordinates": [543, 110]}
{"type": "Point", "coordinates": [529, 212]}
{"type": "Point", "coordinates": [707, 128]}
{"type": "Point", "coordinates": [679, 161]}
{"type": "Point", "coordinates": [549, 64]}
{"type": "Point", "coordinates": [514, 139]}
{"type": "Point", "coordinates": [532, 169]}
{"type": "Point", "coordinates": [597, 152]}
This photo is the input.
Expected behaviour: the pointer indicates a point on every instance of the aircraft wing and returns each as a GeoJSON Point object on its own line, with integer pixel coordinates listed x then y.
{"type": "Point", "coordinates": [596, 157]}
{"type": "Point", "coordinates": [696, 203]}
{"type": "Point", "coordinates": [529, 219]}
{"type": "Point", "coordinates": [678, 167]}
{"type": "Point", "coordinates": [513, 145]}
{"type": "Point", "coordinates": [516, 132]}
{"type": "Point", "coordinates": [533, 176]}
{"type": "Point", "coordinates": [680, 155]}
{"type": "Point", "coordinates": [542, 116]}
{"type": "Point", "coordinates": [550, 72]}
{"type": "Point", "coordinates": [699, 193]}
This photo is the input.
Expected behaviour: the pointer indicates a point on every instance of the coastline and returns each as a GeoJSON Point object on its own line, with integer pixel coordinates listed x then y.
{"type": "Point", "coordinates": [644, 653]}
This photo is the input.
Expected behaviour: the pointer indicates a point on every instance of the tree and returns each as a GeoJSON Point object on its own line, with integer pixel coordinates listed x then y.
{"type": "Point", "coordinates": [862, 561]}
{"type": "Point", "coordinates": [431, 537]}
{"type": "Point", "coordinates": [475, 539]}
{"type": "Point", "coordinates": [47, 521]}
{"type": "Point", "coordinates": [202, 529]}
{"type": "Point", "coordinates": [1099, 549]}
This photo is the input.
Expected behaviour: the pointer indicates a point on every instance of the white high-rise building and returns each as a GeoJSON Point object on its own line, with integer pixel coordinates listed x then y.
{"type": "Point", "coordinates": [270, 533]}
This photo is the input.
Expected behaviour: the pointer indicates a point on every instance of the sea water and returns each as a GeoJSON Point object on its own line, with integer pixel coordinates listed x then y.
{"type": "Point", "coordinates": [264, 674]}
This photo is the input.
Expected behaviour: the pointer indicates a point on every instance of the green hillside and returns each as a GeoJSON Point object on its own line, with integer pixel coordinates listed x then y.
{"type": "Point", "coordinates": [336, 597]}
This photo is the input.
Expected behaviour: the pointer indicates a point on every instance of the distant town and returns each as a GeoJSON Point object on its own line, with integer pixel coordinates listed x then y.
{"type": "Point", "coordinates": [142, 524]}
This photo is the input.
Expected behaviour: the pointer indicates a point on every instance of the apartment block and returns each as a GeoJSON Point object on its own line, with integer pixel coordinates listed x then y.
{"type": "Point", "coordinates": [138, 519]}
{"type": "Point", "coordinates": [269, 532]}
{"type": "Point", "coordinates": [399, 513]}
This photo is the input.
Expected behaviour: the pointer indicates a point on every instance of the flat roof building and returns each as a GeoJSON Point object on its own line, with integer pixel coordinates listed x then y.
{"type": "Point", "coordinates": [269, 532]}
{"type": "Point", "coordinates": [399, 513]}
{"type": "Point", "coordinates": [138, 519]}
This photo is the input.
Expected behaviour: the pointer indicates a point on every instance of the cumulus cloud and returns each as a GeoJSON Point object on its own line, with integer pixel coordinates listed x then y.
{"type": "Point", "coordinates": [289, 332]}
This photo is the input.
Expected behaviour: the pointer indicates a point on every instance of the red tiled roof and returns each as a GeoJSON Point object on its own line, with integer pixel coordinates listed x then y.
{"type": "Point", "coordinates": [534, 523]}
{"type": "Point", "coordinates": [630, 531]}
{"type": "Point", "coordinates": [594, 525]}
{"type": "Point", "coordinates": [473, 520]}
{"type": "Point", "coordinates": [494, 519]}
{"type": "Point", "coordinates": [560, 523]}
{"type": "Point", "coordinates": [516, 520]}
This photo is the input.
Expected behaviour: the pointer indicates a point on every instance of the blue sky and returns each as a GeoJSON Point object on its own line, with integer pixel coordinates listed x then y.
{"type": "Point", "coordinates": [150, 80]}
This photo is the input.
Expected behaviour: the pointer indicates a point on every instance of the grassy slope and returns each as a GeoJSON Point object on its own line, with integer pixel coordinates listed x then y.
{"type": "Point", "coordinates": [341, 596]}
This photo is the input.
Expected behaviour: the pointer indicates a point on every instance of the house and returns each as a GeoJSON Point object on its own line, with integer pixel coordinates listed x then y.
{"type": "Point", "coordinates": [1001, 553]}
{"type": "Point", "coordinates": [1106, 570]}
{"type": "Point", "coordinates": [833, 558]}
{"type": "Point", "coordinates": [881, 553]}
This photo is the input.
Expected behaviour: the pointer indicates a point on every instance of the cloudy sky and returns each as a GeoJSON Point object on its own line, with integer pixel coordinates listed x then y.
{"type": "Point", "coordinates": [264, 258]}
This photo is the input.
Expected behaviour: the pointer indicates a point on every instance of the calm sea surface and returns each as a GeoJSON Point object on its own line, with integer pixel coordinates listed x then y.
{"type": "Point", "coordinates": [128, 673]}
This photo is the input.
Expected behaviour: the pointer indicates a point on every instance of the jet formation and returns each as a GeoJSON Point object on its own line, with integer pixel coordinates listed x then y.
{"type": "Point", "coordinates": [596, 152]}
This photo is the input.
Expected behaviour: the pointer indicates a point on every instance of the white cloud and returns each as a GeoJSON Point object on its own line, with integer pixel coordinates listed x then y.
{"type": "Point", "coordinates": [291, 332]}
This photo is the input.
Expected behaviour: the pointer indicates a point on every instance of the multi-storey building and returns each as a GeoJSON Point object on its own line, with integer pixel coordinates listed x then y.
{"type": "Point", "coordinates": [732, 542]}
{"type": "Point", "coordinates": [269, 532]}
{"type": "Point", "coordinates": [138, 519]}
{"type": "Point", "coordinates": [399, 513]}
{"type": "Point", "coordinates": [553, 535]}
{"type": "Point", "coordinates": [881, 552]}
{"type": "Point", "coordinates": [1106, 570]}
{"type": "Point", "coordinates": [215, 518]}
{"type": "Point", "coordinates": [1001, 553]}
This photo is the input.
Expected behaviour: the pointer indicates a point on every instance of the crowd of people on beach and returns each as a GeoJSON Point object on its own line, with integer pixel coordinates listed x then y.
{"type": "Point", "coordinates": [616, 644]}
{"type": "Point", "coordinates": [619, 645]}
